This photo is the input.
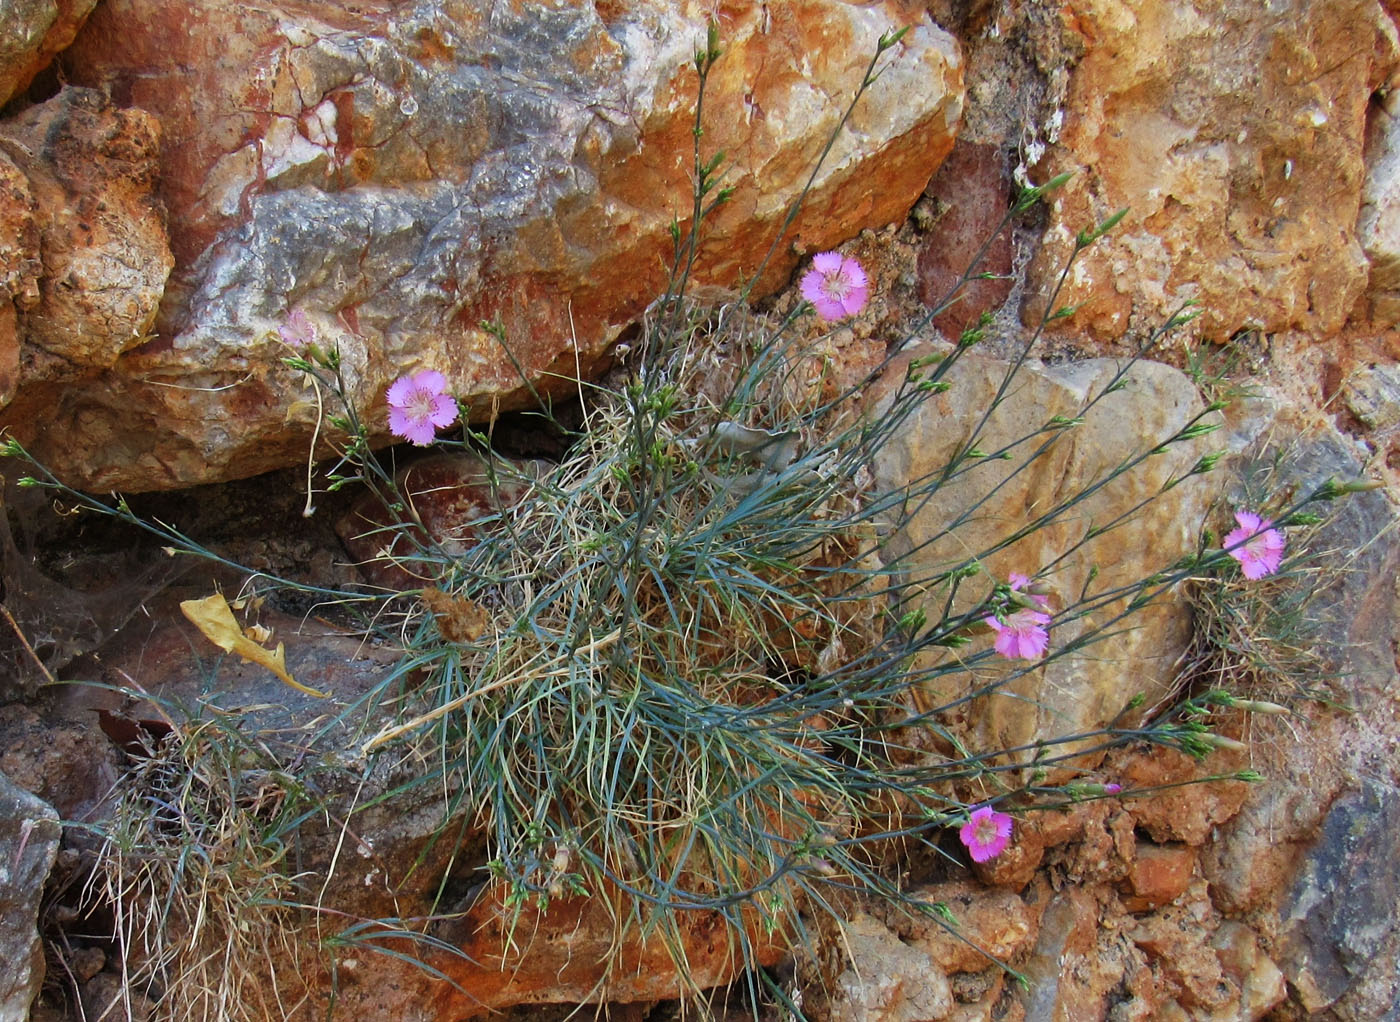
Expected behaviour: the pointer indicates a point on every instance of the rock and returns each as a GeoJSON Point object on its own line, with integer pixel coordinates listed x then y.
{"type": "Point", "coordinates": [1160, 874]}
{"type": "Point", "coordinates": [1334, 938]}
{"type": "Point", "coordinates": [19, 269]}
{"type": "Point", "coordinates": [1054, 971]}
{"type": "Point", "coordinates": [106, 998]}
{"type": "Point", "coordinates": [1379, 222]}
{"type": "Point", "coordinates": [1372, 394]}
{"type": "Point", "coordinates": [995, 923]}
{"type": "Point", "coordinates": [68, 764]}
{"type": "Point", "coordinates": [455, 496]}
{"type": "Point", "coordinates": [29, 835]}
{"type": "Point", "coordinates": [58, 620]}
{"type": "Point", "coordinates": [1071, 694]}
{"type": "Point", "coordinates": [1247, 205]}
{"type": "Point", "coordinates": [1176, 942]}
{"type": "Point", "coordinates": [1186, 811]}
{"type": "Point", "coordinates": [556, 956]}
{"type": "Point", "coordinates": [887, 980]}
{"type": "Point", "coordinates": [31, 32]}
{"type": "Point", "coordinates": [972, 190]}
{"type": "Point", "coordinates": [1259, 980]}
{"type": "Point", "coordinates": [401, 862]}
{"type": "Point", "coordinates": [403, 176]}
{"type": "Point", "coordinates": [1324, 818]}
{"type": "Point", "coordinates": [91, 171]}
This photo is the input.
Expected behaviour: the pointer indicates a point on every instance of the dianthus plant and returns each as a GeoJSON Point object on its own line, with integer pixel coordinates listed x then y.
{"type": "Point", "coordinates": [694, 677]}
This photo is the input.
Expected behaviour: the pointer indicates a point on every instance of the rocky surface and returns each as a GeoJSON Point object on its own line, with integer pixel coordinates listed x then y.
{"type": "Point", "coordinates": [1234, 134]}
{"type": "Point", "coordinates": [98, 232]}
{"type": "Point", "coordinates": [1075, 694]}
{"type": "Point", "coordinates": [29, 836]}
{"type": "Point", "coordinates": [400, 172]}
{"type": "Point", "coordinates": [1324, 823]}
{"type": "Point", "coordinates": [402, 175]}
{"type": "Point", "coordinates": [1379, 221]}
{"type": "Point", "coordinates": [31, 33]}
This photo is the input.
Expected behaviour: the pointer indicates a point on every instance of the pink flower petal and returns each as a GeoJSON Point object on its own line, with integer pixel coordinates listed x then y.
{"type": "Point", "coordinates": [1021, 634]}
{"type": "Point", "coordinates": [399, 391]}
{"type": "Point", "coordinates": [444, 411]}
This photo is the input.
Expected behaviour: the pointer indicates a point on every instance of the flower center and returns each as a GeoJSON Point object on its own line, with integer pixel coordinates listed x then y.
{"type": "Point", "coordinates": [986, 831]}
{"type": "Point", "coordinates": [836, 285]}
{"type": "Point", "coordinates": [420, 405]}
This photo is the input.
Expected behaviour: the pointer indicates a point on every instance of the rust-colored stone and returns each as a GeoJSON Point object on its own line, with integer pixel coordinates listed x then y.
{"type": "Point", "coordinates": [1175, 941]}
{"type": "Point", "coordinates": [1160, 873]}
{"type": "Point", "coordinates": [19, 268]}
{"type": "Point", "coordinates": [1186, 814]}
{"type": "Point", "coordinates": [972, 189]}
{"type": "Point", "coordinates": [91, 169]}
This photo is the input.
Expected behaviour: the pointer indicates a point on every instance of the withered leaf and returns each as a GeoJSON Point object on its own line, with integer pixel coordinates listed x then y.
{"type": "Point", "coordinates": [214, 617]}
{"type": "Point", "coordinates": [458, 619]}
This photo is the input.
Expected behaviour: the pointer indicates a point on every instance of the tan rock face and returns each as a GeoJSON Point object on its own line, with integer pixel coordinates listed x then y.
{"type": "Point", "coordinates": [403, 177]}
{"type": "Point", "coordinates": [1234, 132]}
{"type": "Point", "coordinates": [887, 979]}
{"type": "Point", "coordinates": [1379, 224]}
{"type": "Point", "coordinates": [1073, 693]}
{"type": "Point", "coordinates": [31, 32]}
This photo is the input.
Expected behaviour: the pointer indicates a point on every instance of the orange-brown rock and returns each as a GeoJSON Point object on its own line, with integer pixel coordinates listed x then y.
{"type": "Point", "coordinates": [19, 268]}
{"type": "Point", "coordinates": [1160, 873]}
{"type": "Point", "coordinates": [403, 175]}
{"type": "Point", "coordinates": [31, 32]}
{"type": "Point", "coordinates": [554, 955]}
{"type": "Point", "coordinates": [1186, 814]}
{"type": "Point", "coordinates": [971, 192]}
{"type": "Point", "coordinates": [90, 171]}
{"type": "Point", "coordinates": [1173, 941]}
{"type": "Point", "coordinates": [991, 926]}
{"type": "Point", "coordinates": [1233, 133]}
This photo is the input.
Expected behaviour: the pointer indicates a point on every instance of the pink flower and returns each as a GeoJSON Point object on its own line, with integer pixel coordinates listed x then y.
{"type": "Point", "coordinates": [1256, 544]}
{"type": "Point", "coordinates": [419, 405]}
{"type": "Point", "coordinates": [1112, 789]}
{"type": "Point", "coordinates": [1022, 633]}
{"type": "Point", "coordinates": [836, 285]}
{"type": "Point", "coordinates": [298, 331]}
{"type": "Point", "coordinates": [986, 833]}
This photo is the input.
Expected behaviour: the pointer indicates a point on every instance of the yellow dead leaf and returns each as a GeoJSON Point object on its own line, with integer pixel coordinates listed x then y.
{"type": "Point", "coordinates": [213, 616]}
